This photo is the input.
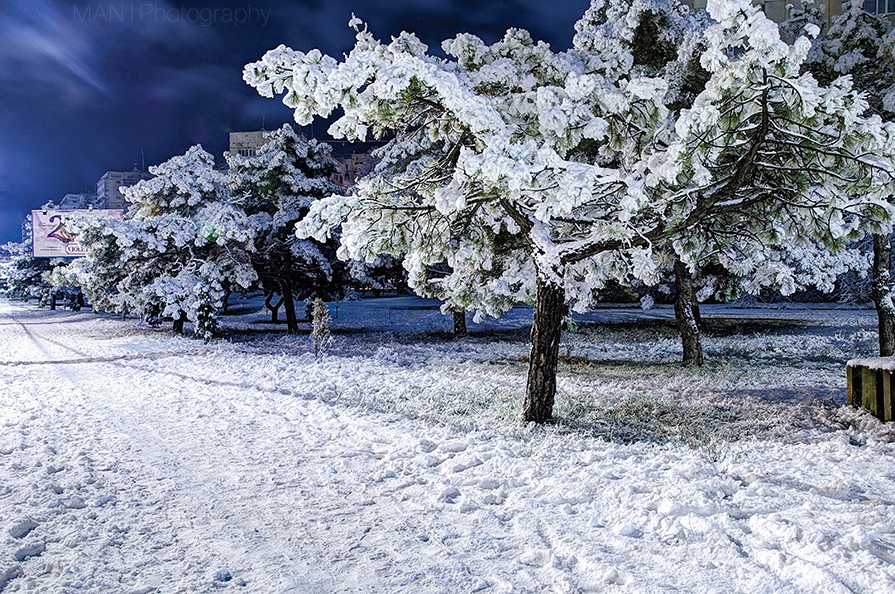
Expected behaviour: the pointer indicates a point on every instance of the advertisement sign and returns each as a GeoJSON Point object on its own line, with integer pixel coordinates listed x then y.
{"type": "Point", "coordinates": [50, 237]}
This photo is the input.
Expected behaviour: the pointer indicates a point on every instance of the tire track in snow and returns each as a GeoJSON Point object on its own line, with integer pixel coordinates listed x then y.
{"type": "Point", "coordinates": [36, 339]}
{"type": "Point", "coordinates": [126, 438]}
{"type": "Point", "coordinates": [113, 359]}
{"type": "Point", "coordinates": [85, 358]}
{"type": "Point", "coordinates": [68, 482]}
{"type": "Point", "coordinates": [151, 455]}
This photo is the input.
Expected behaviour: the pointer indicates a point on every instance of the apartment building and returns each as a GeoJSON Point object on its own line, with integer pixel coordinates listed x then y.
{"type": "Point", "coordinates": [246, 144]}
{"type": "Point", "coordinates": [779, 10]}
{"type": "Point", "coordinates": [348, 167]}
{"type": "Point", "coordinates": [78, 201]}
{"type": "Point", "coordinates": [108, 188]}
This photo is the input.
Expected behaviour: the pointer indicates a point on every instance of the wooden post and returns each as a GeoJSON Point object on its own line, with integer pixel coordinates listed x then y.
{"type": "Point", "coordinates": [868, 389]}
{"type": "Point", "coordinates": [853, 377]}
{"type": "Point", "coordinates": [887, 397]}
{"type": "Point", "coordinates": [871, 385]}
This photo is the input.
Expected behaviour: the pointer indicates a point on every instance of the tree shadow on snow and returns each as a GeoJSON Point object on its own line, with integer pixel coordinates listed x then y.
{"type": "Point", "coordinates": [709, 423]}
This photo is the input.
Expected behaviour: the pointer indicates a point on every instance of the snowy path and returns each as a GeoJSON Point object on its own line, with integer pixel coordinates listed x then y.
{"type": "Point", "coordinates": [134, 462]}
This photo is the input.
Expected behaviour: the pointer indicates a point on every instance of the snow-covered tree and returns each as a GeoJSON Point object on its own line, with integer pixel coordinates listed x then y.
{"type": "Point", "coordinates": [8, 253]}
{"type": "Point", "coordinates": [538, 176]}
{"type": "Point", "coordinates": [181, 247]}
{"type": "Point", "coordinates": [862, 46]}
{"type": "Point", "coordinates": [778, 271]}
{"type": "Point", "coordinates": [660, 41]}
{"type": "Point", "coordinates": [11, 249]}
{"type": "Point", "coordinates": [276, 188]}
{"type": "Point", "coordinates": [97, 275]}
{"type": "Point", "coordinates": [751, 262]}
{"type": "Point", "coordinates": [25, 279]}
{"type": "Point", "coordinates": [23, 276]}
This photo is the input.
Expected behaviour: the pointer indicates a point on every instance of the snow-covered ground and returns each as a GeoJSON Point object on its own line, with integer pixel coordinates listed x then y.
{"type": "Point", "coordinates": [131, 461]}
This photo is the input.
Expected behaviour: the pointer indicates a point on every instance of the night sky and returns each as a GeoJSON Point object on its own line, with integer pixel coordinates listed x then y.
{"type": "Point", "coordinates": [87, 87]}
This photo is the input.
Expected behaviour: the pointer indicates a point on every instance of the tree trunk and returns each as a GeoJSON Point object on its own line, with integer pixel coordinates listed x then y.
{"type": "Point", "coordinates": [683, 313]}
{"type": "Point", "coordinates": [882, 294]}
{"type": "Point", "coordinates": [273, 307]}
{"type": "Point", "coordinates": [460, 329]}
{"type": "Point", "coordinates": [289, 304]}
{"type": "Point", "coordinates": [177, 326]}
{"type": "Point", "coordinates": [546, 328]}
{"type": "Point", "coordinates": [52, 301]}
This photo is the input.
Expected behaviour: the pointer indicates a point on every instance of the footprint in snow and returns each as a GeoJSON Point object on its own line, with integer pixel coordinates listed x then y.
{"type": "Point", "coordinates": [539, 558]}
{"type": "Point", "coordinates": [488, 484]}
{"type": "Point", "coordinates": [613, 577]}
{"type": "Point", "coordinates": [467, 462]}
{"type": "Point", "coordinates": [450, 495]}
{"type": "Point", "coordinates": [454, 446]}
{"type": "Point", "coordinates": [22, 528]}
{"type": "Point", "coordinates": [430, 461]}
{"type": "Point", "coordinates": [629, 530]}
{"type": "Point", "coordinates": [75, 502]}
{"type": "Point", "coordinates": [51, 470]}
{"type": "Point", "coordinates": [35, 549]}
{"type": "Point", "coordinates": [8, 574]}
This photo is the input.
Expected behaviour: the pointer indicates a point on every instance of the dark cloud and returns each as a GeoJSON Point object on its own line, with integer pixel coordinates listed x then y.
{"type": "Point", "coordinates": [87, 87]}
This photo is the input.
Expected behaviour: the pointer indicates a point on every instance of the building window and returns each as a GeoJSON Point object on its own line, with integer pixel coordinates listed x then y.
{"type": "Point", "coordinates": [251, 152]}
{"type": "Point", "coordinates": [880, 6]}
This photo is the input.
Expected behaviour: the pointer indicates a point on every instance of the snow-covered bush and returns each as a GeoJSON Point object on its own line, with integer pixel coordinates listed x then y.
{"type": "Point", "coordinates": [320, 321]}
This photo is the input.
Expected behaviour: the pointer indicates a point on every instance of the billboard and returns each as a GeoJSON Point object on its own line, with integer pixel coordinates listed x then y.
{"type": "Point", "coordinates": [50, 237]}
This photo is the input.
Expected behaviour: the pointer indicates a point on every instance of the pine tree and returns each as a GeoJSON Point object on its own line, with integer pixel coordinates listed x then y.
{"type": "Point", "coordinates": [275, 188]}
{"type": "Point", "coordinates": [181, 247]}
{"type": "Point", "coordinates": [862, 46]}
{"type": "Point", "coordinates": [539, 176]}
